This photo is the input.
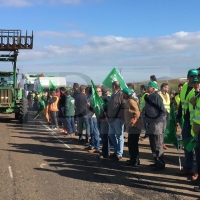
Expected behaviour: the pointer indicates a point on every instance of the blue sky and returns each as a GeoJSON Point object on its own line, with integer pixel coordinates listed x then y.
{"type": "Point", "coordinates": [90, 37]}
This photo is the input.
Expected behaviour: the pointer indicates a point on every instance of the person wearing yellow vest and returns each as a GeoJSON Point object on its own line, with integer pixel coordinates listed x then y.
{"type": "Point", "coordinates": [177, 97]}
{"type": "Point", "coordinates": [142, 99]}
{"type": "Point", "coordinates": [193, 97]}
{"type": "Point", "coordinates": [164, 88]}
{"type": "Point", "coordinates": [141, 106]}
{"type": "Point", "coordinates": [183, 111]}
{"type": "Point", "coordinates": [53, 109]}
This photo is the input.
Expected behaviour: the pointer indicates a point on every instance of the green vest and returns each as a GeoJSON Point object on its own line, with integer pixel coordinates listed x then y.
{"type": "Point", "coordinates": [196, 117]}
{"type": "Point", "coordinates": [142, 101]}
{"type": "Point", "coordinates": [177, 100]}
{"type": "Point", "coordinates": [183, 98]}
{"type": "Point", "coordinates": [190, 95]}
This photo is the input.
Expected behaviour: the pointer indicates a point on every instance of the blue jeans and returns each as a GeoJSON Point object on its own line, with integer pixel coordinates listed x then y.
{"type": "Point", "coordinates": [116, 133]}
{"type": "Point", "coordinates": [94, 133]}
{"type": "Point", "coordinates": [70, 125]}
{"type": "Point", "coordinates": [186, 133]}
{"type": "Point", "coordinates": [81, 121]}
{"type": "Point", "coordinates": [104, 128]}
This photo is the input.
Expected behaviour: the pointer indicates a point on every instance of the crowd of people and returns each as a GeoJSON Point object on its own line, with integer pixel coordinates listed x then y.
{"type": "Point", "coordinates": [124, 110]}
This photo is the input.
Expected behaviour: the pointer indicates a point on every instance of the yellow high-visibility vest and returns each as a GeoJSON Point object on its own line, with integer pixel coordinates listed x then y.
{"type": "Point", "coordinates": [190, 95]}
{"type": "Point", "coordinates": [165, 102]}
{"type": "Point", "coordinates": [142, 101]}
{"type": "Point", "coordinates": [183, 97]}
{"type": "Point", "coordinates": [196, 117]}
{"type": "Point", "coordinates": [177, 100]}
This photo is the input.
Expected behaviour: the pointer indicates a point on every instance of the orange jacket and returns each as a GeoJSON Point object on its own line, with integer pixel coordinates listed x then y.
{"type": "Point", "coordinates": [54, 106]}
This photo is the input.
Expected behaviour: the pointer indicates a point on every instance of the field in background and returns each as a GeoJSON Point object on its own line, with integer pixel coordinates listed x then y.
{"type": "Point", "coordinates": [173, 84]}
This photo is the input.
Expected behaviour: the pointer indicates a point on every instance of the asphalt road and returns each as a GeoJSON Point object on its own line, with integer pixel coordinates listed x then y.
{"type": "Point", "coordinates": [37, 164]}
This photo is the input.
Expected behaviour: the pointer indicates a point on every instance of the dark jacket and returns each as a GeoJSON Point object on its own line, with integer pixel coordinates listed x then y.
{"type": "Point", "coordinates": [154, 108]}
{"type": "Point", "coordinates": [62, 100]}
{"type": "Point", "coordinates": [116, 107]}
{"type": "Point", "coordinates": [69, 106]}
{"type": "Point", "coordinates": [75, 93]}
{"type": "Point", "coordinates": [80, 104]}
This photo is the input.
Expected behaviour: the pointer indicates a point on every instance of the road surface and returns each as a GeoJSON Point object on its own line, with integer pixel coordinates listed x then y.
{"type": "Point", "coordinates": [37, 164]}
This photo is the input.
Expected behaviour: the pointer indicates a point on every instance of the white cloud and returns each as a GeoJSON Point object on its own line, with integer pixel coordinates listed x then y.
{"type": "Point", "coordinates": [172, 55]}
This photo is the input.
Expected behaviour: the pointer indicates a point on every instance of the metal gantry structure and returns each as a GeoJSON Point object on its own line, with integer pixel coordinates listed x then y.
{"type": "Point", "coordinates": [10, 43]}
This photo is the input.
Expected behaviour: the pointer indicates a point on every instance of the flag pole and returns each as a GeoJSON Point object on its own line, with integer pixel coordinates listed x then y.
{"type": "Point", "coordinates": [179, 153]}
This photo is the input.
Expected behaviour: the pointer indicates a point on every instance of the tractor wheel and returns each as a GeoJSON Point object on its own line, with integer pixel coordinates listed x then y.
{"type": "Point", "coordinates": [23, 115]}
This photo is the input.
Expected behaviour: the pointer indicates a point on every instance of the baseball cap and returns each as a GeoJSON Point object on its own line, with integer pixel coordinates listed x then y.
{"type": "Point", "coordinates": [152, 84]}
{"type": "Point", "coordinates": [127, 91]}
{"type": "Point", "coordinates": [193, 72]}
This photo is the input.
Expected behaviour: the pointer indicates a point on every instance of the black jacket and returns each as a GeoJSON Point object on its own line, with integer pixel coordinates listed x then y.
{"type": "Point", "coordinates": [154, 108]}
{"type": "Point", "coordinates": [80, 104]}
{"type": "Point", "coordinates": [115, 108]}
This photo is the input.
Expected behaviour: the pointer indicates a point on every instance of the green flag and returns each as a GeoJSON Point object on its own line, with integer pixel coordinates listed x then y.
{"type": "Point", "coordinates": [181, 122]}
{"type": "Point", "coordinates": [190, 143]}
{"type": "Point", "coordinates": [114, 75]}
{"type": "Point", "coordinates": [51, 86]}
{"type": "Point", "coordinates": [170, 136]}
{"type": "Point", "coordinates": [42, 105]}
{"type": "Point", "coordinates": [40, 88]}
{"type": "Point", "coordinates": [98, 103]}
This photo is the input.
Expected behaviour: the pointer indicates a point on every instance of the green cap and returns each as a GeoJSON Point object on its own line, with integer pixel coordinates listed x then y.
{"type": "Point", "coordinates": [195, 80]}
{"type": "Point", "coordinates": [152, 84]}
{"type": "Point", "coordinates": [193, 72]}
{"type": "Point", "coordinates": [127, 91]}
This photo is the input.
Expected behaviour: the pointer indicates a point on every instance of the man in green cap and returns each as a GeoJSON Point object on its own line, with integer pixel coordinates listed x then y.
{"type": "Point", "coordinates": [133, 124]}
{"type": "Point", "coordinates": [155, 117]}
{"type": "Point", "coordinates": [183, 111]}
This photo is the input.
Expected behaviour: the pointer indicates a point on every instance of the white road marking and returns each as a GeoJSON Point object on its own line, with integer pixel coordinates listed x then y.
{"type": "Point", "coordinates": [10, 172]}
{"type": "Point", "coordinates": [53, 133]}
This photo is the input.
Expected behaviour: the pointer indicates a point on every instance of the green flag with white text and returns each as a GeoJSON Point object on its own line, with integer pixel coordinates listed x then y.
{"type": "Point", "coordinates": [114, 75]}
{"type": "Point", "coordinates": [98, 103]}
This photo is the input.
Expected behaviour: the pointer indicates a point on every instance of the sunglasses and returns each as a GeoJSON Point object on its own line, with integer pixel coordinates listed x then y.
{"type": "Point", "coordinates": [99, 91]}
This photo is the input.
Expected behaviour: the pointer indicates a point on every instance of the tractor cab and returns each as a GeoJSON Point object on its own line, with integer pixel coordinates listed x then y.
{"type": "Point", "coordinates": [6, 79]}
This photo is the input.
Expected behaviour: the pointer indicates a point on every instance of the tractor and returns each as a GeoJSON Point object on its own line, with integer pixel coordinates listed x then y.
{"type": "Point", "coordinates": [12, 98]}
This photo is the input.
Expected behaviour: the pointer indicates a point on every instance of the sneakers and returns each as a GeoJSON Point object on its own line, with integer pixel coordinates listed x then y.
{"type": "Point", "coordinates": [63, 131]}
{"type": "Point", "coordinates": [117, 158]}
{"type": "Point", "coordinates": [132, 163]}
{"type": "Point", "coordinates": [93, 151]}
{"type": "Point", "coordinates": [184, 172]}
